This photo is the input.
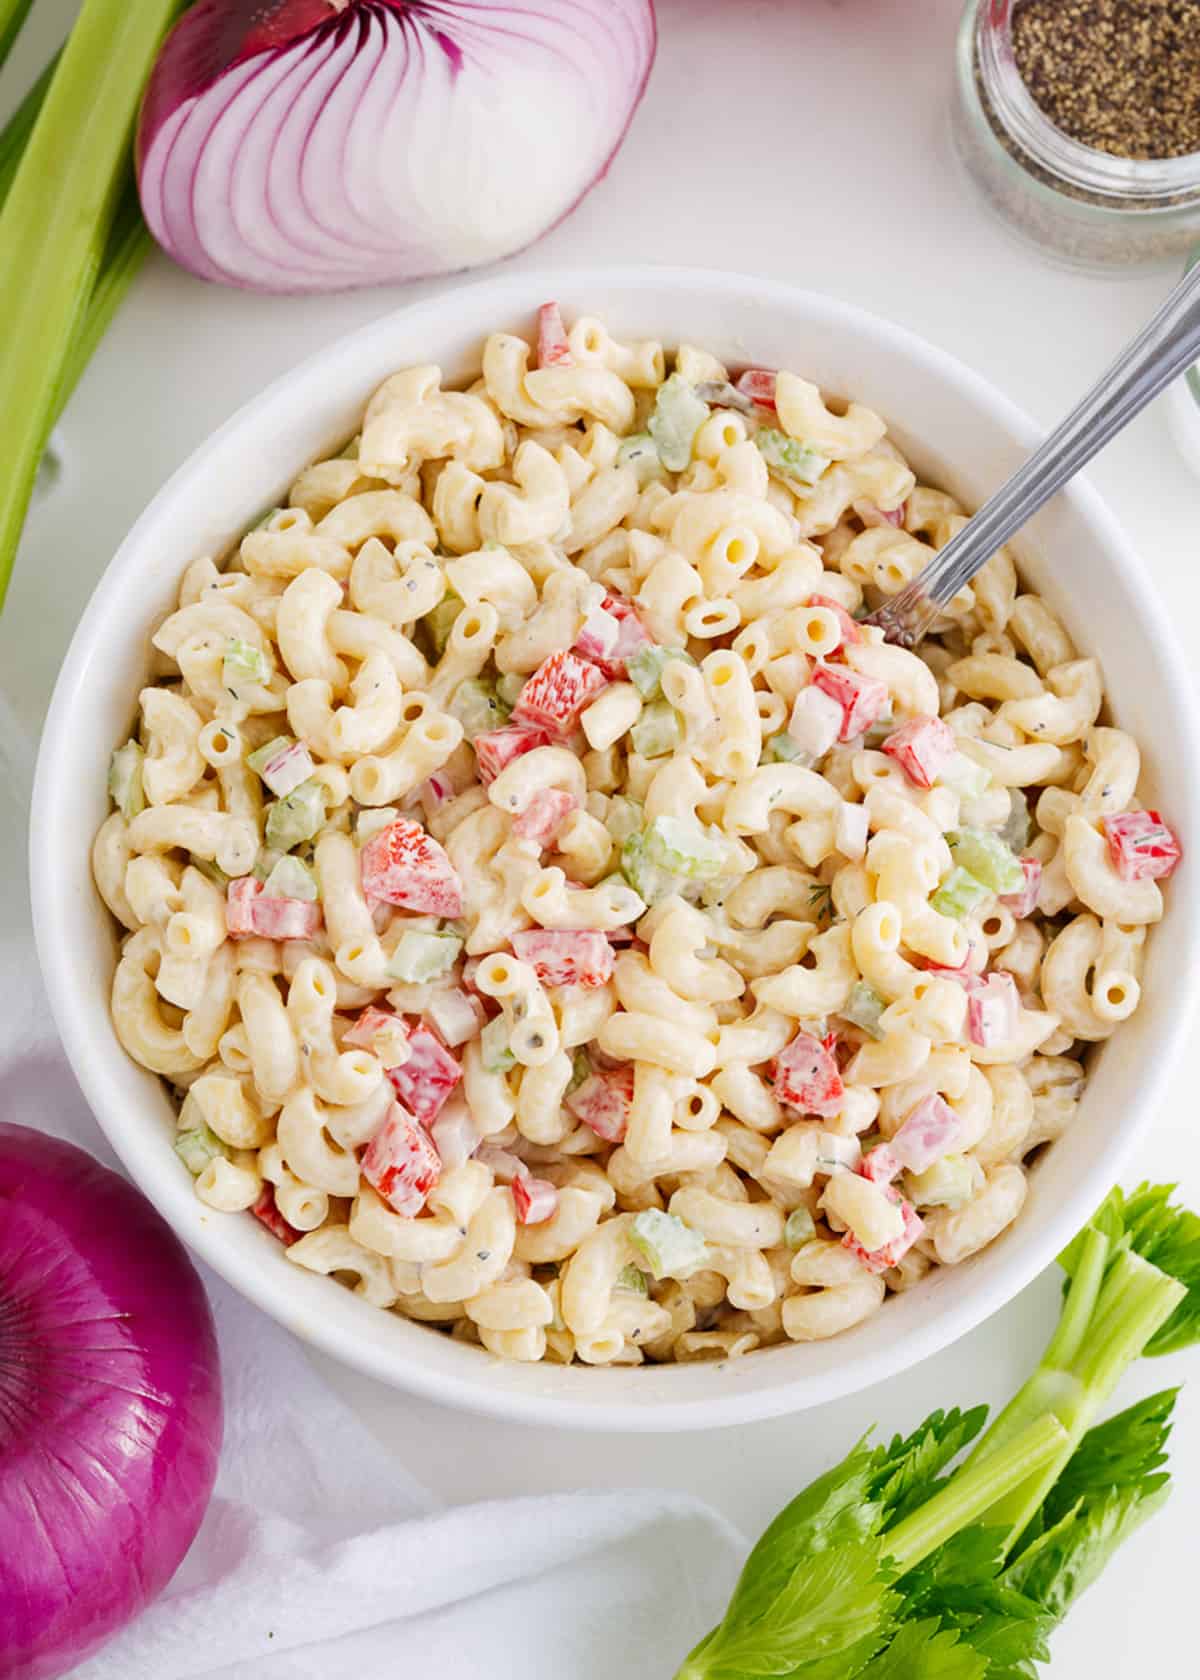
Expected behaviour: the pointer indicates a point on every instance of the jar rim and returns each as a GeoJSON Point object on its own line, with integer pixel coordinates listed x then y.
{"type": "Point", "coordinates": [1124, 182]}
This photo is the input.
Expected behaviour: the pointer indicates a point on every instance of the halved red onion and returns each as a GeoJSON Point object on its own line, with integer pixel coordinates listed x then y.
{"type": "Point", "coordinates": [311, 145]}
{"type": "Point", "coordinates": [110, 1404]}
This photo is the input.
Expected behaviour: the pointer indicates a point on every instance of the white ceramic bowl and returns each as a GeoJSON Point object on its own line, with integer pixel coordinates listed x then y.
{"type": "Point", "coordinates": [961, 434]}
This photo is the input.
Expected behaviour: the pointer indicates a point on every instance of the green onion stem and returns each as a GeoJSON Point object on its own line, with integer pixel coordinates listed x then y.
{"type": "Point", "coordinates": [973, 1490]}
{"type": "Point", "coordinates": [55, 225]}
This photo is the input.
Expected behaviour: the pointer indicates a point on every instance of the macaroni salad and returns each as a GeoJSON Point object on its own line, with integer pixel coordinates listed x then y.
{"type": "Point", "coordinates": [563, 920]}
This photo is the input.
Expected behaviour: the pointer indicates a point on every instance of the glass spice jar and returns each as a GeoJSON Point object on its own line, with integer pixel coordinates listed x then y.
{"type": "Point", "coordinates": [1087, 207]}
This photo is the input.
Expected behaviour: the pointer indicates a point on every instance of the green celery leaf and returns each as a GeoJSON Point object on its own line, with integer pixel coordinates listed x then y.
{"type": "Point", "coordinates": [923, 1651]}
{"type": "Point", "coordinates": [1110, 1486]}
{"type": "Point", "coordinates": [909, 1474]}
{"type": "Point", "coordinates": [832, 1511]}
{"type": "Point", "coordinates": [831, 1601]}
{"type": "Point", "coordinates": [960, 1586]}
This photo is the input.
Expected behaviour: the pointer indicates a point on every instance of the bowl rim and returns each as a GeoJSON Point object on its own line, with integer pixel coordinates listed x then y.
{"type": "Point", "coordinates": [93, 1056]}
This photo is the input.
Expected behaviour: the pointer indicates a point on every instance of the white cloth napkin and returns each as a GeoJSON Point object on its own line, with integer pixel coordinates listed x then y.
{"type": "Point", "coordinates": [321, 1558]}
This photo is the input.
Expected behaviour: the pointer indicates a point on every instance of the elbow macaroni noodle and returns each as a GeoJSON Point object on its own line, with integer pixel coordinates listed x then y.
{"type": "Point", "coordinates": [338, 679]}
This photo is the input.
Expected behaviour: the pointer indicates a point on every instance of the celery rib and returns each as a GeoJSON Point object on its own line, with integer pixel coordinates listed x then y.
{"type": "Point", "coordinates": [56, 222]}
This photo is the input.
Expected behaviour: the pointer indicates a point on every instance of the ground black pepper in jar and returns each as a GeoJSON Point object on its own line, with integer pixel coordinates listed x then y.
{"type": "Point", "coordinates": [1122, 76]}
{"type": "Point", "coordinates": [1079, 120]}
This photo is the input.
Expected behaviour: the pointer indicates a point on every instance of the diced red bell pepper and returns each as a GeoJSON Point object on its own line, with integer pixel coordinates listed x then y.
{"type": "Point", "coordinates": [250, 913]}
{"type": "Point", "coordinates": [759, 385]}
{"type": "Point", "coordinates": [495, 749]}
{"type": "Point", "coordinates": [881, 1164]}
{"type": "Point", "coordinates": [992, 1006]}
{"type": "Point", "coordinates": [807, 1077]}
{"type": "Point", "coordinates": [562, 958]}
{"type": "Point", "coordinates": [401, 1162]}
{"type": "Point", "coordinates": [557, 692]}
{"type": "Point", "coordinates": [535, 1199]}
{"type": "Point", "coordinates": [1141, 846]}
{"type": "Point", "coordinates": [545, 814]}
{"type": "Point", "coordinates": [372, 1021]}
{"type": "Point", "coordinates": [603, 1102]}
{"type": "Point", "coordinates": [1024, 902]}
{"type": "Point", "coordinates": [861, 698]}
{"type": "Point", "coordinates": [428, 1076]}
{"type": "Point", "coordinates": [929, 1130]}
{"type": "Point", "coordinates": [269, 1215]}
{"type": "Point", "coordinates": [404, 865]}
{"type": "Point", "coordinates": [883, 1259]}
{"type": "Point", "coordinates": [553, 349]}
{"type": "Point", "coordinates": [922, 748]}
{"type": "Point", "coordinates": [851, 629]}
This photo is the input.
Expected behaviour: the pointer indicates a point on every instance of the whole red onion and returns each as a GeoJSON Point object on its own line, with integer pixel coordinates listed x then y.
{"type": "Point", "coordinates": [110, 1404]}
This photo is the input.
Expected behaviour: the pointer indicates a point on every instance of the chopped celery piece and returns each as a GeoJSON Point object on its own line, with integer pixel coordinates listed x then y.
{"type": "Point", "coordinates": [290, 878]}
{"type": "Point", "coordinates": [949, 1182]}
{"type": "Point", "coordinates": [623, 818]}
{"type": "Point", "coordinates": [645, 668]}
{"type": "Point", "coordinates": [963, 776]}
{"type": "Point", "coordinates": [788, 457]}
{"type": "Point", "coordinates": [657, 731]}
{"type": "Point", "coordinates": [59, 213]}
{"type": "Point", "coordinates": [1015, 832]}
{"type": "Point", "coordinates": [244, 664]}
{"type": "Point", "coordinates": [298, 817]}
{"type": "Point", "coordinates": [423, 956]}
{"type": "Point", "coordinates": [508, 688]}
{"type": "Point", "coordinates": [678, 416]}
{"type": "Point", "coordinates": [641, 453]}
{"type": "Point", "coordinates": [863, 1009]}
{"type": "Point", "coordinates": [265, 862]}
{"type": "Point", "coordinates": [634, 1280]}
{"type": "Point", "coordinates": [648, 879]}
{"type": "Point", "coordinates": [210, 870]}
{"type": "Point", "coordinates": [125, 780]}
{"type": "Point", "coordinates": [799, 1227]}
{"type": "Point", "coordinates": [581, 1069]}
{"type": "Point", "coordinates": [959, 894]}
{"type": "Point", "coordinates": [262, 756]}
{"type": "Point", "coordinates": [672, 1248]}
{"type": "Point", "coordinates": [494, 1047]}
{"type": "Point", "coordinates": [197, 1146]}
{"type": "Point", "coordinates": [682, 847]}
{"type": "Point", "coordinates": [477, 707]}
{"type": "Point", "coordinates": [985, 856]}
{"type": "Point", "coordinates": [782, 749]}
{"type": "Point", "coordinates": [440, 621]}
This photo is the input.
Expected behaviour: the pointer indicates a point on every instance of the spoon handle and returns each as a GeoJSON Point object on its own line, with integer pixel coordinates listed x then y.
{"type": "Point", "coordinates": [1167, 345]}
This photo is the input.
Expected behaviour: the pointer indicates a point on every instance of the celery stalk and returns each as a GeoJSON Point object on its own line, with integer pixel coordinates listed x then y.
{"type": "Point", "coordinates": [55, 224]}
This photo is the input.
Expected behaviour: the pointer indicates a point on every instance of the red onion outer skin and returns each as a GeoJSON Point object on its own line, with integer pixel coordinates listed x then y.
{"type": "Point", "coordinates": [315, 145]}
{"type": "Point", "coordinates": [110, 1404]}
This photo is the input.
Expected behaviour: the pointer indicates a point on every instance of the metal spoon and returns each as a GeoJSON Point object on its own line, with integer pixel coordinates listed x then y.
{"type": "Point", "coordinates": [1161, 351]}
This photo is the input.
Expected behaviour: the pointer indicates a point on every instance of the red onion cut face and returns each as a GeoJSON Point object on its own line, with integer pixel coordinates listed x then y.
{"type": "Point", "coordinates": [311, 145]}
{"type": "Point", "coordinates": [110, 1404]}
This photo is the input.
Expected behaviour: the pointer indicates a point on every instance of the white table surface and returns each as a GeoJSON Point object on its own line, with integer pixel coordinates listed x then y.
{"type": "Point", "coordinates": [804, 140]}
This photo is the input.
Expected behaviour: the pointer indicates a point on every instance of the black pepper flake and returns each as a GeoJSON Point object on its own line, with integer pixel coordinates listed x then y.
{"type": "Point", "coordinates": [1121, 76]}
